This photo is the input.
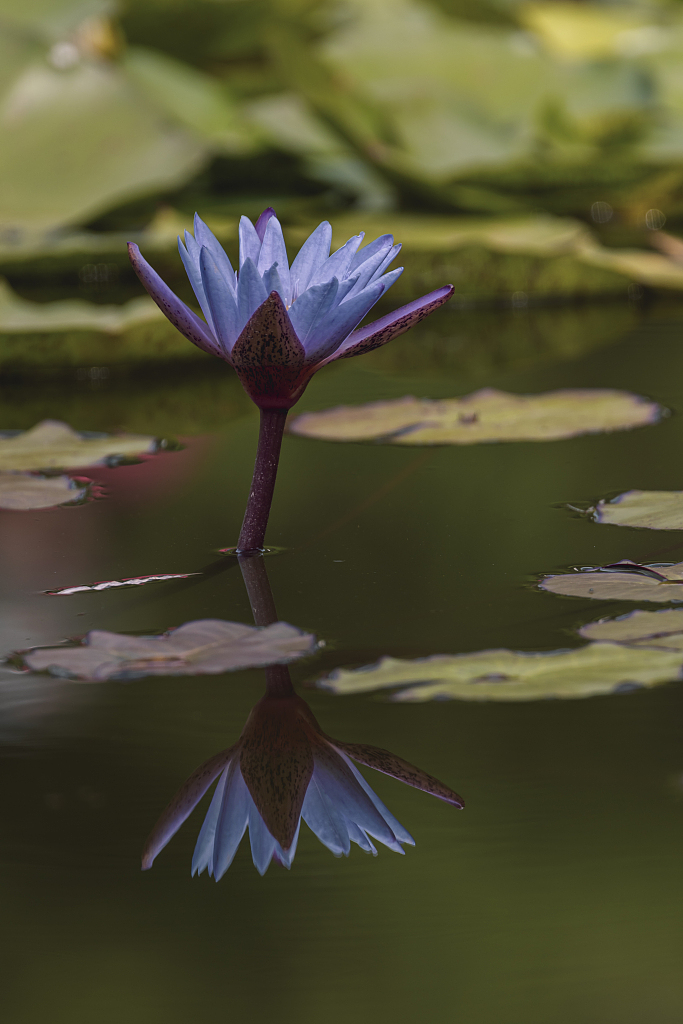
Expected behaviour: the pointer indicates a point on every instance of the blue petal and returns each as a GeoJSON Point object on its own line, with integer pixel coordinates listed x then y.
{"type": "Point", "coordinates": [272, 283]}
{"type": "Point", "coordinates": [263, 844]}
{"type": "Point", "coordinates": [311, 307]}
{"type": "Point", "coordinates": [220, 300]}
{"type": "Point", "coordinates": [367, 272]}
{"type": "Point", "coordinates": [322, 817]}
{"type": "Point", "coordinates": [342, 789]}
{"type": "Point", "coordinates": [394, 824]}
{"type": "Point", "coordinates": [330, 333]}
{"type": "Point", "coordinates": [232, 821]}
{"type": "Point", "coordinates": [388, 279]}
{"type": "Point", "coordinates": [203, 851]}
{"type": "Point", "coordinates": [205, 237]}
{"type": "Point", "coordinates": [338, 263]}
{"type": "Point", "coordinates": [273, 250]}
{"type": "Point", "coordinates": [383, 243]}
{"type": "Point", "coordinates": [190, 258]}
{"type": "Point", "coordinates": [357, 835]}
{"type": "Point", "coordinates": [287, 856]}
{"type": "Point", "coordinates": [389, 258]}
{"type": "Point", "coordinates": [250, 243]}
{"type": "Point", "coordinates": [346, 286]}
{"type": "Point", "coordinates": [251, 292]}
{"type": "Point", "coordinates": [310, 257]}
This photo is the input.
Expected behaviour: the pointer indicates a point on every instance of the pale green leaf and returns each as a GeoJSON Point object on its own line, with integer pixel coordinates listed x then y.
{"type": "Point", "coordinates": [55, 445]}
{"type": "Point", "coordinates": [207, 646]}
{"type": "Point", "coordinates": [642, 629]}
{"type": "Point", "coordinates": [485, 416]}
{"type": "Point", "coordinates": [20, 492]}
{"type": "Point", "coordinates": [661, 584]}
{"type": "Point", "coordinates": [18, 315]}
{"type": "Point", "coordinates": [598, 668]}
{"type": "Point", "coordinates": [651, 510]}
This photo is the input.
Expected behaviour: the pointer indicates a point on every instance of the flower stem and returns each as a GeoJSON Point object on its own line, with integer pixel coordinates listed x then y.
{"type": "Point", "coordinates": [278, 679]}
{"type": "Point", "coordinates": [253, 532]}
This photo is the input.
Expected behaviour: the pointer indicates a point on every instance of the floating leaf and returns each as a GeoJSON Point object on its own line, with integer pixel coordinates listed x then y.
{"type": "Point", "coordinates": [131, 581]}
{"type": "Point", "coordinates": [651, 510]}
{"type": "Point", "coordinates": [22, 491]}
{"type": "Point", "coordinates": [598, 668]}
{"type": "Point", "coordinates": [208, 646]}
{"type": "Point", "coordinates": [55, 445]}
{"type": "Point", "coordinates": [486, 415]}
{"type": "Point", "coordinates": [625, 581]}
{"type": "Point", "coordinates": [18, 316]}
{"type": "Point", "coordinates": [663, 629]}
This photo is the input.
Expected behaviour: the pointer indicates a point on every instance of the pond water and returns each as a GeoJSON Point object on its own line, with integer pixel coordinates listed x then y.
{"type": "Point", "coordinates": [554, 896]}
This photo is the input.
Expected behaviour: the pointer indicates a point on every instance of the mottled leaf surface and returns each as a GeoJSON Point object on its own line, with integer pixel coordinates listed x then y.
{"type": "Point", "coordinates": [650, 510]}
{"type": "Point", "coordinates": [55, 445]}
{"type": "Point", "coordinates": [22, 491]}
{"type": "Point", "coordinates": [486, 415]}
{"type": "Point", "coordinates": [207, 646]}
{"type": "Point", "coordinates": [662, 584]}
{"type": "Point", "coordinates": [597, 668]}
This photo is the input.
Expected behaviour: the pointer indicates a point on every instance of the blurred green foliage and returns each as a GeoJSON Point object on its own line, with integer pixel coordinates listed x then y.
{"type": "Point", "coordinates": [484, 106]}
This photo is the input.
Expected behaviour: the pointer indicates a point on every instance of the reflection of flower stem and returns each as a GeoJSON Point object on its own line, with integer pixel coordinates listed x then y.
{"type": "Point", "coordinates": [278, 679]}
{"type": "Point", "coordinates": [253, 532]}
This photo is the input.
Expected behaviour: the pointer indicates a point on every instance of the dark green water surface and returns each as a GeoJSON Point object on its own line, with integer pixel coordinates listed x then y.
{"type": "Point", "coordinates": [555, 897]}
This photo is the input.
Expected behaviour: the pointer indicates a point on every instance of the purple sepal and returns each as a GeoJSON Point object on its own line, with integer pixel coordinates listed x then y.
{"type": "Point", "coordinates": [262, 223]}
{"type": "Point", "coordinates": [173, 308]}
{"type": "Point", "coordinates": [388, 327]}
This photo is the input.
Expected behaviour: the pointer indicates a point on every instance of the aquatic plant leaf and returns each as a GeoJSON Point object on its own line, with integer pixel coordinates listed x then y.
{"type": "Point", "coordinates": [19, 316]}
{"type": "Point", "coordinates": [484, 416]}
{"type": "Point", "coordinates": [23, 491]}
{"type": "Point", "coordinates": [207, 646]}
{"type": "Point", "coordinates": [650, 510]}
{"type": "Point", "coordinates": [641, 629]}
{"type": "Point", "coordinates": [598, 668]}
{"type": "Point", "coordinates": [624, 581]}
{"type": "Point", "coordinates": [131, 581]}
{"type": "Point", "coordinates": [55, 445]}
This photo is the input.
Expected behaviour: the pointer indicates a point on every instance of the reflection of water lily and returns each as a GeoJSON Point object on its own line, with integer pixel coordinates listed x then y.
{"type": "Point", "coordinates": [278, 324]}
{"type": "Point", "coordinates": [283, 769]}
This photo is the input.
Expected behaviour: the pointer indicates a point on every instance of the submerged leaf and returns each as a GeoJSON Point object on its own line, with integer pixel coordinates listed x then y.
{"type": "Point", "coordinates": [625, 581]}
{"type": "Point", "coordinates": [55, 445]}
{"type": "Point", "coordinates": [207, 646]}
{"type": "Point", "coordinates": [22, 491]}
{"type": "Point", "coordinates": [662, 629]}
{"type": "Point", "coordinates": [486, 415]}
{"type": "Point", "coordinates": [598, 668]}
{"type": "Point", "coordinates": [651, 510]}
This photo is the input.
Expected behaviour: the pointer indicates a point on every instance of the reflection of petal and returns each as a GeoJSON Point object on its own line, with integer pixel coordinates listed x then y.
{"type": "Point", "coordinates": [357, 835]}
{"type": "Point", "coordinates": [394, 824]}
{"type": "Point", "coordinates": [389, 764]}
{"type": "Point", "coordinates": [322, 817]}
{"type": "Point", "coordinates": [182, 805]}
{"type": "Point", "coordinates": [263, 844]}
{"type": "Point", "coordinates": [232, 820]}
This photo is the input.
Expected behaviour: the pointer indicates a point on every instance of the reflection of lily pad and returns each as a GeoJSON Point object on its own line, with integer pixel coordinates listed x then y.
{"type": "Point", "coordinates": [598, 668]}
{"type": "Point", "coordinates": [208, 646]}
{"type": "Point", "coordinates": [22, 491]}
{"type": "Point", "coordinates": [652, 510]}
{"type": "Point", "coordinates": [129, 581]}
{"type": "Point", "coordinates": [662, 584]}
{"type": "Point", "coordinates": [486, 415]}
{"type": "Point", "coordinates": [55, 445]}
{"type": "Point", "coordinates": [642, 629]}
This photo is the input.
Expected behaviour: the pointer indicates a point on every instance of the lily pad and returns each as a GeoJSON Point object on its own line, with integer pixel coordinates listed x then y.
{"type": "Point", "coordinates": [18, 316]}
{"type": "Point", "coordinates": [55, 445]}
{"type": "Point", "coordinates": [204, 647]}
{"type": "Point", "coordinates": [130, 581]}
{"type": "Point", "coordinates": [650, 510]}
{"type": "Point", "coordinates": [662, 629]}
{"type": "Point", "coordinates": [622, 581]}
{"type": "Point", "coordinates": [598, 668]}
{"type": "Point", "coordinates": [20, 492]}
{"type": "Point", "coordinates": [484, 416]}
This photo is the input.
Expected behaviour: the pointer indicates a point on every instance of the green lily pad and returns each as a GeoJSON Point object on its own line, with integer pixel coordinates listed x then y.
{"type": "Point", "coordinates": [662, 629]}
{"type": "Point", "coordinates": [598, 668]}
{"type": "Point", "coordinates": [20, 492]}
{"type": "Point", "coordinates": [484, 416]}
{"type": "Point", "coordinates": [208, 646]}
{"type": "Point", "coordinates": [19, 316]}
{"type": "Point", "coordinates": [650, 510]}
{"type": "Point", "coordinates": [661, 584]}
{"type": "Point", "coordinates": [55, 445]}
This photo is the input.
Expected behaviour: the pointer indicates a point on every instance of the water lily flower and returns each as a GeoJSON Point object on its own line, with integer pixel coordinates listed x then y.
{"type": "Point", "coordinates": [284, 769]}
{"type": "Point", "coordinates": [277, 325]}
